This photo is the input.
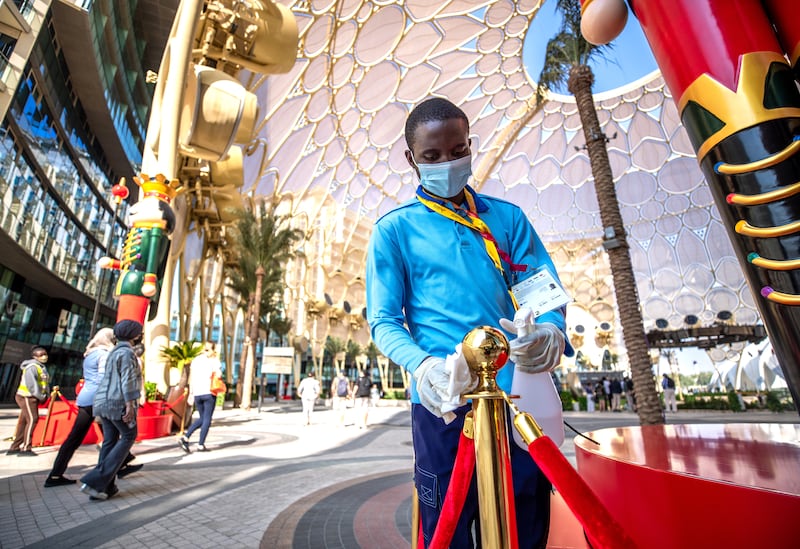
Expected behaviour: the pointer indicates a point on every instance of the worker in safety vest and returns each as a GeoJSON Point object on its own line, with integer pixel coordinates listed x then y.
{"type": "Point", "coordinates": [33, 390]}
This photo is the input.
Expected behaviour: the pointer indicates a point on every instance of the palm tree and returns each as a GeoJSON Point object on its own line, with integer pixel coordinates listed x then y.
{"type": "Point", "coordinates": [352, 349]}
{"type": "Point", "coordinates": [566, 62]}
{"type": "Point", "coordinates": [180, 356]}
{"type": "Point", "coordinates": [262, 242]}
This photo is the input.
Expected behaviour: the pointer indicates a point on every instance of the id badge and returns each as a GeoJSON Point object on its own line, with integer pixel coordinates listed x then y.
{"type": "Point", "coordinates": [541, 293]}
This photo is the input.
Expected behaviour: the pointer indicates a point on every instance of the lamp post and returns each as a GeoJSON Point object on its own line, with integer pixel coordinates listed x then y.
{"type": "Point", "coordinates": [120, 192]}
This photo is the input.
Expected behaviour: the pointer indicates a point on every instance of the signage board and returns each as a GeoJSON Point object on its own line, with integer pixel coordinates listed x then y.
{"type": "Point", "coordinates": [277, 360]}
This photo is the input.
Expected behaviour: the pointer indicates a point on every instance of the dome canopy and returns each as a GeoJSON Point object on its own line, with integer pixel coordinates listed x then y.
{"type": "Point", "coordinates": [333, 149]}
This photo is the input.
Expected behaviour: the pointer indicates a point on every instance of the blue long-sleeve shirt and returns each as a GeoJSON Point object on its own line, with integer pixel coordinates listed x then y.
{"type": "Point", "coordinates": [94, 367]}
{"type": "Point", "coordinates": [429, 279]}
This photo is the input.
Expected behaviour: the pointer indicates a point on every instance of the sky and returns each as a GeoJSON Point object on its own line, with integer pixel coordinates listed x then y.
{"type": "Point", "coordinates": [629, 59]}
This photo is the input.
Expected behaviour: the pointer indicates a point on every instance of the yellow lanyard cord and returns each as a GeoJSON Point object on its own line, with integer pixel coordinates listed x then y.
{"type": "Point", "coordinates": [475, 223]}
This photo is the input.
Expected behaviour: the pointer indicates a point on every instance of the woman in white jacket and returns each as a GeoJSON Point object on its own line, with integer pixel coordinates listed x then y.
{"type": "Point", "coordinates": [203, 367]}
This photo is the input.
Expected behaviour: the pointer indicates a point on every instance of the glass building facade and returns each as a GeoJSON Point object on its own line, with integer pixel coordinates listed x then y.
{"type": "Point", "coordinates": [74, 126]}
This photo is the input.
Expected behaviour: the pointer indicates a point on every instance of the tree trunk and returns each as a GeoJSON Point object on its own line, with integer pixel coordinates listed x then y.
{"type": "Point", "coordinates": [249, 366]}
{"type": "Point", "coordinates": [248, 320]}
{"type": "Point", "coordinates": [185, 371]}
{"type": "Point", "coordinates": [648, 406]}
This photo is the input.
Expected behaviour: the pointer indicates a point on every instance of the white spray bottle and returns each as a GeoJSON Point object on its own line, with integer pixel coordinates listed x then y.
{"type": "Point", "coordinates": [537, 393]}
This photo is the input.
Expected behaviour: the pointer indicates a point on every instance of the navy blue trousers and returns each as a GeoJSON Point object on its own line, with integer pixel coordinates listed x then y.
{"type": "Point", "coordinates": [205, 407]}
{"type": "Point", "coordinates": [435, 448]}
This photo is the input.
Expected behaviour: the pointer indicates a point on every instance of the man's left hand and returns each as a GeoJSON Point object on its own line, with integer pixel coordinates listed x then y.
{"type": "Point", "coordinates": [538, 346]}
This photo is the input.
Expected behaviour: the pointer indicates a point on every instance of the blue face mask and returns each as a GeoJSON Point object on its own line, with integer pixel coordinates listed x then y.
{"type": "Point", "coordinates": [445, 179]}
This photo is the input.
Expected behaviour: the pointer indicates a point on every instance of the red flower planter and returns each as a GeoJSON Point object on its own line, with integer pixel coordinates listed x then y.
{"type": "Point", "coordinates": [152, 422]}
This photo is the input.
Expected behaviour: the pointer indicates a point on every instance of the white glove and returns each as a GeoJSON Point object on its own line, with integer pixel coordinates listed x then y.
{"type": "Point", "coordinates": [441, 382]}
{"type": "Point", "coordinates": [537, 347]}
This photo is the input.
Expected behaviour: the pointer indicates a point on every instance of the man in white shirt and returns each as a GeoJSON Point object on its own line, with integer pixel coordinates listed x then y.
{"type": "Point", "coordinates": [308, 391]}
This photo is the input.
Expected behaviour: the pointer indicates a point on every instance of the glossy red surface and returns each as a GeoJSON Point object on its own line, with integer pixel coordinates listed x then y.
{"type": "Point", "coordinates": [731, 485]}
{"type": "Point", "coordinates": [152, 423]}
{"type": "Point", "coordinates": [694, 37]}
{"type": "Point", "coordinates": [62, 416]}
{"type": "Point", "coordinates": [786, 14]}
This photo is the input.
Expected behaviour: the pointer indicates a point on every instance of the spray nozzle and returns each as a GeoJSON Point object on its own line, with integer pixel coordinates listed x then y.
{"type": "Point", "coordinates": [524, 321]}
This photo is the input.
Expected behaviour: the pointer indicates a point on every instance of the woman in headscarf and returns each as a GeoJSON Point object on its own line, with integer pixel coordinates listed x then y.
{"type": "Point", "coordinates": [94, 365]}
{"type": "Point", "coordinates": [116, 403]}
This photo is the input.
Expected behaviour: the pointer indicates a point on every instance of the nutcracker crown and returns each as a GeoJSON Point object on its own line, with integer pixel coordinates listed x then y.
{"type": "Point", "coordinates": [159, 186]}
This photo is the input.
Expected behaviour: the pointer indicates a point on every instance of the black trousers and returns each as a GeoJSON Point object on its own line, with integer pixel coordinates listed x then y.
{"type": "Point", "coordinates": [75, 438]}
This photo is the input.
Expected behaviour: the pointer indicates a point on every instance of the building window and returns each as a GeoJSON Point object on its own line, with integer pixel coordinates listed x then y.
{"type": "Point", "coordinates": [7, 44]}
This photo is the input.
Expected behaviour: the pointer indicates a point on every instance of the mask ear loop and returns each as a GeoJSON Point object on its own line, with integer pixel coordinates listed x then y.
{"type": "Point", "coordinates": [416, 164]}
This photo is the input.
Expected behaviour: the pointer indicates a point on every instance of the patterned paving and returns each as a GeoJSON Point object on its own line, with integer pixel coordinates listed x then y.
{"type": "Point", "coordinates": [268, 482]}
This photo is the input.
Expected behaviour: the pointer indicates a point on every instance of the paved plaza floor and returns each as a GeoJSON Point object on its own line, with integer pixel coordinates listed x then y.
{"type": "Point", "coordinates": [267, 482]}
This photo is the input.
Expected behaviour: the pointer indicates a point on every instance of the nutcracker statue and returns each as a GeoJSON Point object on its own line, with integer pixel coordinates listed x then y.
{"type": "Point", "coordinates": [732, 67]}
{"type": "Point", "coordinates": [146, 249]}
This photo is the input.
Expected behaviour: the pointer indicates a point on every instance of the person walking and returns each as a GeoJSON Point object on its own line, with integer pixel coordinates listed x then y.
{"type": "Point", "coordinates": [340, 391]}
{"type": "Point", "coordinates": [616, 395]}
{"type": "Point", "coordinates": [116, 404]}
{"type": "Point", "coordinates": [630, 396]}
{"type": "Point", "coordinates": [438, 266]}
{"type": "Point", "coordinates": [374, 395]}
{"type": "Point", "coordinates": [589, 397]}
{"type": "Point", "coordinates": [600, 396]}
{"type": "Point", "coordinates": [309, 391]}
{"type": "Point", "coordinates": [34, 388]}
{"type": "Point", "coordinates": [668, 384]}
{"type": "Point", "coordinates": [203, 368]}
{"type": "Point", "coordinates": [607, 393]}
{"type": "Point", "coordinates": [362, 396]}
{"type": "Point", "coordinates": [94, 366]}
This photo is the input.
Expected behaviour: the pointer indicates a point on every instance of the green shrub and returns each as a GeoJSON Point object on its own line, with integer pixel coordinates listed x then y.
{"type": "Point", "coordinates": [774, 403]}
{"type": "Point", "coordinates": [566, 400]}
{"type": "Point", "coordinates": [734, 404]}
{"type": "Point", "coordinates": [150, 391]}
{"type": "Point", "coordinates": [705, 401]}
{"type": "Point", "coordinates": [395, 394]}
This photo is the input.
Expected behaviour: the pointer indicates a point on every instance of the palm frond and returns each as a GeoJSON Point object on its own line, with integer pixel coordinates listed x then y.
{"type": "Point", "coordinates": [334, 345]}
{"type": "Point", "coordinates": [262, 238]}
{"type": "Point", "coordinates": [567, 49]}
{"type": "Point", "coordinates": [181, 353]}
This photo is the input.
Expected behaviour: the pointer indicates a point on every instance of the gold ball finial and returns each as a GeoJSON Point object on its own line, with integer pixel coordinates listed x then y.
{"type": "Point", "coordinates": [486, 350]}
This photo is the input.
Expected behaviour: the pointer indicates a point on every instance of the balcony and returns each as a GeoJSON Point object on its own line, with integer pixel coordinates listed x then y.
{"type": "Point", "coordinates": [16, 16]}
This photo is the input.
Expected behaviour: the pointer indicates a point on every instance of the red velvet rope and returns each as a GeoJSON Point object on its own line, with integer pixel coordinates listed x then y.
{"type": "Point", "coordinates": [169, 406]}
{"type": "Point", "coordinates": [600, 527]}
{"type": "Point", "coordinates": [72, 407]}
{"type": "Point", "coordinates": [456, 495]}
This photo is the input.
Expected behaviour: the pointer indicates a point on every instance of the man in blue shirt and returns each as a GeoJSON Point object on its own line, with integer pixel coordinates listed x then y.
{"type": "Point", "coordinates": [437, 267]}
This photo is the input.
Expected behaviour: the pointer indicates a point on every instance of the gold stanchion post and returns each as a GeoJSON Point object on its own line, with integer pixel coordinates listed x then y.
{"type": "Point", "coordinates": [415, 518]}
{"type": "Point", "coordinates": [486, 350]}
{"type": "Point", "coordinates": [53, 396]}
{"type": "Point", "coordinates": [185, 407]}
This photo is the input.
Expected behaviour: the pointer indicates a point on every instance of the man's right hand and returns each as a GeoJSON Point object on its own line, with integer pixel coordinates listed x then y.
{"type": "Point", "coordinates": [130, 411]}
{"type": "Point", "coordinates": [442, 382]}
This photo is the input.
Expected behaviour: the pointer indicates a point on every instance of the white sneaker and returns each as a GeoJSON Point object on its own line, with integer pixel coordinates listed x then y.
{"type": "Point", "coordinates": [93, 494]}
